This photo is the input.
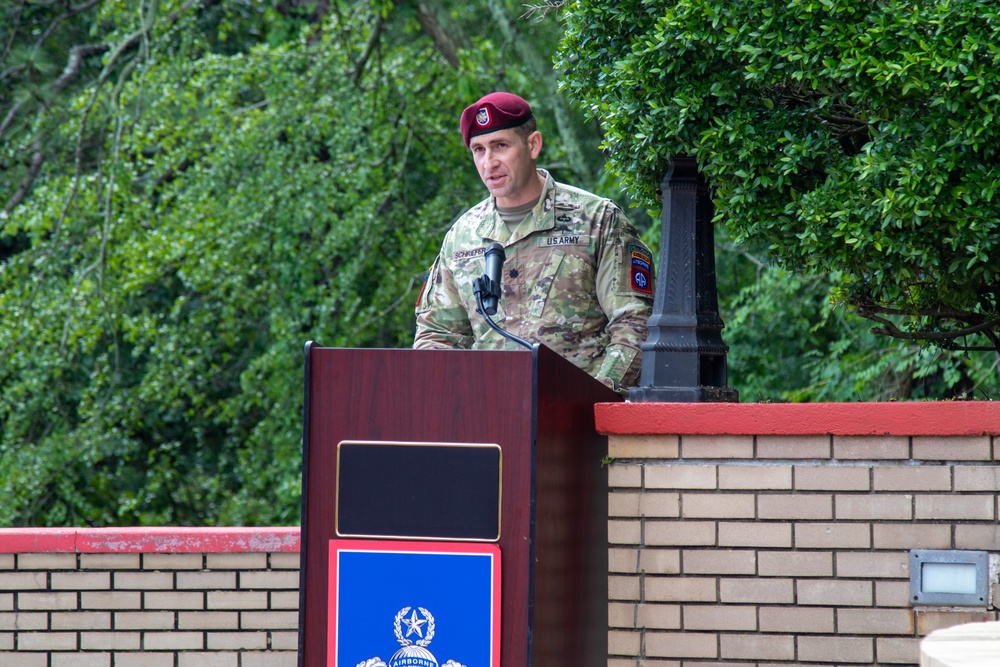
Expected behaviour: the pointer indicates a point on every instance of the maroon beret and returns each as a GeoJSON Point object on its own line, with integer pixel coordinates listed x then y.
{"type": "Point", "coordinates": [496, 111]}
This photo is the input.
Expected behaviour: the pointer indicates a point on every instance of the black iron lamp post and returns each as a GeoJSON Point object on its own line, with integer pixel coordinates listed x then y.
{"type": "Point", "coordinates": [684, 358]}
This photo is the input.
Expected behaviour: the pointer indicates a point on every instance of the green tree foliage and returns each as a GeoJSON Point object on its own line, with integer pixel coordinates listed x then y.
{"type": "Point", "coordinates": [854, 139]}
{"type": "Point", "coordinates": [789, 342]}
{"type": "Point", "coordinates": [191, 191]}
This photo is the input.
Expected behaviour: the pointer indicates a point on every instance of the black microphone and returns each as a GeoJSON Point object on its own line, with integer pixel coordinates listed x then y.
{"type": "Point", "coordinates": [495, 257]}
{"type": "Point", "coordinates": [487, 290]}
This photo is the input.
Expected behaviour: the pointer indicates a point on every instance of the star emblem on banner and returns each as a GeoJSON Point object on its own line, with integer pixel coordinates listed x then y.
{"type": "Point", "coordinates": [413, 624]}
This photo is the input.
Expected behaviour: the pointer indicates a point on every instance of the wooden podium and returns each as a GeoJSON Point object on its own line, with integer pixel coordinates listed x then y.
{"type": "Point", "coordinates": [538, 408]}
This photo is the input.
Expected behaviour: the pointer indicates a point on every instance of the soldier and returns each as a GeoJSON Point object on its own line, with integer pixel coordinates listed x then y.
{"type": "Point", "coordinates": [577, 278]}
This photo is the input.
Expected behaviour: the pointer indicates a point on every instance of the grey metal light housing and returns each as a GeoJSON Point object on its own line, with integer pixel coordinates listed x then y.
{"type": "Point", "coordinates": [947, 577]}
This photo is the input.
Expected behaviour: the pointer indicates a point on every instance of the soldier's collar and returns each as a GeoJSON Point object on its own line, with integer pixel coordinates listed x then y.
{"type": "Point", "coordinates": [541, 217]}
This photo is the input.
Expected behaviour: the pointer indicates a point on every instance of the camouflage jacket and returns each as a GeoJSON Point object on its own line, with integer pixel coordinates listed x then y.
{"type": "Point", "coordinates": [577, 278]}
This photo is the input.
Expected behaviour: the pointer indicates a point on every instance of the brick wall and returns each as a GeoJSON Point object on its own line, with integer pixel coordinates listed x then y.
{"type": "Point", "coordinates": [149, 597]}
{"type": "Point", "coordinates": [779, 534]}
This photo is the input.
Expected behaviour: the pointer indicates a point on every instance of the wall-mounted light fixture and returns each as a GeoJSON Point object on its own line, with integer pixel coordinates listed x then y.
{"type": "Point", "coordinates": [949, 577]}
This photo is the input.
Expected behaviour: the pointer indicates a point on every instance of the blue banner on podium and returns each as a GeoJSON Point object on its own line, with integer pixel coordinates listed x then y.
{"type": "Point", "coordinates": [414, 604]}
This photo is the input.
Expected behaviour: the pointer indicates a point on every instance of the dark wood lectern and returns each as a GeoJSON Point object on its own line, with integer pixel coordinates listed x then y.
{"type": "Point", "coordinates": [538, 408]}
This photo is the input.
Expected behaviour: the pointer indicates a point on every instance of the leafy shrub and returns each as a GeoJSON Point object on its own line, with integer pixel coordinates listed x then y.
{"type": "Point", "coordinates": [854, 138]}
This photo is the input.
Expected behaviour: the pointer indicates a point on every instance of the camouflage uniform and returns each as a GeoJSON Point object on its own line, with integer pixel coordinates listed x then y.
{"type": "Point", "coordinates": [577, 278]}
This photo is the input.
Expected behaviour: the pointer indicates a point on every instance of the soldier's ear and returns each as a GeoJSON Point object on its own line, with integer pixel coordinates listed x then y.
{"type": "Point", "coordinates": [535, 144]}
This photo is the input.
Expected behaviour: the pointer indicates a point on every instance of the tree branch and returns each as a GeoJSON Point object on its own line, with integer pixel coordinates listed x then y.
{"type": "Point", "coordinates": [13, 69]}
{"type": "Point", "coordinates": [889, 328]}
{"type": "Point", "coordinates": [11, 115]}
{"type": "Point", "coordinates": [543, 8]}
{"type": "Point", "coordinates": [940, 312]}
{"type": "Point", "coordinates": [77, 55]}
{"type": "Point", "coordinates": [73, 11]}
{"type": "Point", "coordinates": [429, 21]}
{"type": "Point", "coordinates": [845, 120]}
{"type": "Point", "coordinates": [573, 144]}
{"type": "Point", "coordinates": [37, 157]}
{"type": "Point", "coordinates": [359, 64]}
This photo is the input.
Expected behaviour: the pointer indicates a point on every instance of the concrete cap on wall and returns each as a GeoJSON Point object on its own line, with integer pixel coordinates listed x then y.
{"type": "Point", "coordinates": [950, 418]}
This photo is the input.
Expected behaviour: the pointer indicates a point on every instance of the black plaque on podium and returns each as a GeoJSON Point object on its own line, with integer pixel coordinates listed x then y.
{"type": "Point", "coordinates": [415, 490]}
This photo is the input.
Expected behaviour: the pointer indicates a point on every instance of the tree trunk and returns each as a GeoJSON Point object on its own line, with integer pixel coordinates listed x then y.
{"type": "Point", "coordinates": [572, 142]}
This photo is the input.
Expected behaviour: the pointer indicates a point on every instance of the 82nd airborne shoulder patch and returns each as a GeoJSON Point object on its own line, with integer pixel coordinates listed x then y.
{"type": "Point", "coordinates": [641, 269]}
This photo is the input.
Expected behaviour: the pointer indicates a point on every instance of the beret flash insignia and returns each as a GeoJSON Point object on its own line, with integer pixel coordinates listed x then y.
{"type": "Point", "coordinates": [483, 117]}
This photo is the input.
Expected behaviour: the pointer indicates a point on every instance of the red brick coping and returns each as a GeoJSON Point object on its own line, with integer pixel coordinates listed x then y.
{"type": "Point", "coordinates": [148, 540]}
{"type": "Point", "coordinates": [946, 418]}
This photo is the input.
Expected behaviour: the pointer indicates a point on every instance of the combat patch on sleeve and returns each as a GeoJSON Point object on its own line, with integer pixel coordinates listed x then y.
{"type": "Point", "coordinates": [640, 268]}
